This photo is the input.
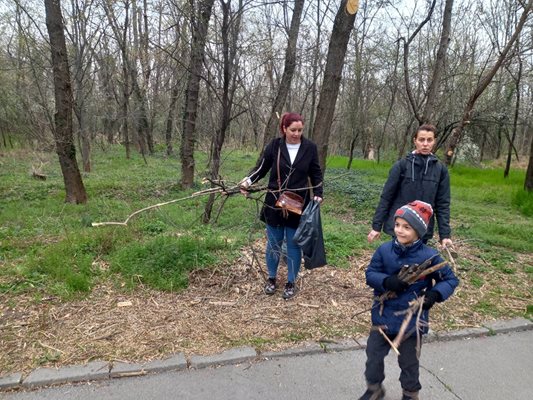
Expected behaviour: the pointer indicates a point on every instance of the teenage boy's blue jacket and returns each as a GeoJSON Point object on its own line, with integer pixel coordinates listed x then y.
{"type": "Point", "coordinates": [386, 261]}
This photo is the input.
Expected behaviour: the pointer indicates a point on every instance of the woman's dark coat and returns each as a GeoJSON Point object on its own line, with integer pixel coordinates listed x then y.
{"type": "Point", "coordinates": [416, 177]}
{"type": "Point", "coordinates": [294, 177]}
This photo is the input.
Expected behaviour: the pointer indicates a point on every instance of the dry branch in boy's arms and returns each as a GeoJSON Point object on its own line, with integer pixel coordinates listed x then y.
{"type": "Point", "coordinates": [410, 274]}
{"type": "Point", "coordinates": [219, 188]}
{"type": "Point", "coordinates": [451, 255]}
{"type": "Point", "coordinates": [415, 307]}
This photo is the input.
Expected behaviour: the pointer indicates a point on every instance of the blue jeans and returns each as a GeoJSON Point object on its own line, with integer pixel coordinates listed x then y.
{"type": "Point", "coordinates": [275, 236]}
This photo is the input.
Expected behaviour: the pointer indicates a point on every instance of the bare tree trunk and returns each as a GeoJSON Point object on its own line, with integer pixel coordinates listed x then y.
{"type": "Point", "coordinates": [392, 101]}
{"type": "Point", "coordinates": [501, 127]}
{"type": "Point", "coordinates": [271, 127]}
{"type": "Point", "coordinates": [75, 190]}
{"type": "Point", "coordinates": [85, 143]}
{"type": "Point", "coordinates": [81, 41]}
{"type": "Point", "coordinates": [338, 43]}
{"type": "Point", "coordinates": [352, 148]}
{"type": "Point", "coordinates": [175, 93]}
{"type": "Point", "coordinates": [121, 36]}
{"type": "Point", "coordinates": [199, 34]}
{"type": "Point", "coordinates": [412, 102]}
{"type": "Point", "coordinates": [107, 87]}
{"type": "Point", "coordinates": [405, 137]}
{"type": "Point", "coordinates": [316, 58]}
{"type": "Point", "coordinates": [230, 35]}
{"type": "Point", "coordinates": [483, 144]}
{"type": "Point", "coordinates": [80, 112]}
{"type": "Point", "coordinates": [518, 80]}
{"type": "Point", "coordinates": [429, 109]}
{"type": "Point", "coordinates": [144, 139]}
{"type": "Point", "coordinates": [170, 118]}
{"type": "Point", "coordinates": [457, 133]}
{"type": "Point", "coordinates": [528, 183]}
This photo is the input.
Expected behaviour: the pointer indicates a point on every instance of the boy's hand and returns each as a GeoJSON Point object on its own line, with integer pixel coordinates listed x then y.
{"type": "Point", "coordinates": [430, 299]}
{"type": "Point", "coordinates": [395, 284]}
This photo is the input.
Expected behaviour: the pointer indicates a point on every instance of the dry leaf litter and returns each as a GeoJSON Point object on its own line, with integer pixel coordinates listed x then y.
{"type": "Point", "coordinates": [222, 308]}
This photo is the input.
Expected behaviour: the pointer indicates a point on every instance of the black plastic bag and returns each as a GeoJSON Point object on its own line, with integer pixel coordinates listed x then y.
{"type": "Point", "coordinates": [309, 236]}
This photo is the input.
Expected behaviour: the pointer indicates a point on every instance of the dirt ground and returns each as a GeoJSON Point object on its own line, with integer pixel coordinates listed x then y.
{"type": "Point", "coordinates": [222, 308]}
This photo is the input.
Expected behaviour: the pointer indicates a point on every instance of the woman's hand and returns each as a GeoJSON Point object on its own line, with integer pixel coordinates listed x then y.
{"type": "Point", "coordinates": [373, 235]}
{"type": "Point", "coordinates": [447, 242]}
{"type": "Point", "coordinates": [318, 198]}
{"type": "Point", "coordinates": [244, 184]}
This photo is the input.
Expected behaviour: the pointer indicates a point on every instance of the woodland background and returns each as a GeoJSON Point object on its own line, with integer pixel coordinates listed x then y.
{"type": "Point", "coordinates": [214, 74]}
{"type": "Point", "coordinates": [141, 100]}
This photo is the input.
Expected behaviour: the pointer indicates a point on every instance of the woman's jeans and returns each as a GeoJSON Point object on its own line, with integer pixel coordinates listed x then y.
{"type": "Point", "coordinates": [275, 236]}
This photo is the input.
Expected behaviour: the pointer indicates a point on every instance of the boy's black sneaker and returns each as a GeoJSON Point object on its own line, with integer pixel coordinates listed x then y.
{"type": "Point", "coordinates": [409, 395]}
{"type": "Point", "coordinates": [270, 287]}
{"type": "Point", "coordinates": [374, 392]}
{"type": "Point", "coordinates": [289, 291]}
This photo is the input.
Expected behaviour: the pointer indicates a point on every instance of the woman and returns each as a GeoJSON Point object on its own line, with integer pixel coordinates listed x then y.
{"type": "Point", "coordinates": [420, 175]}
{"type": "Point", "coordinates": [296, 159]}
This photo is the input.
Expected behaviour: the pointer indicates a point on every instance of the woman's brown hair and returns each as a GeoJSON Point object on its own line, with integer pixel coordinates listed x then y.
{"type": "Point", "coordinates": [287, 119]}
{"type": "Point", "coordinates": [427, 128]}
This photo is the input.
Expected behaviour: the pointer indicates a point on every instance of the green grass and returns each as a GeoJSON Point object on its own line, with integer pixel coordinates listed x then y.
{"type": "Point", "coordinates": [484, 207]}
{"type": "Point", "coordinates": [164, 262]}
{"type": "Point", "coordinates": [49, 247]}
{"type": "Point", "coordinates": [523, 201]}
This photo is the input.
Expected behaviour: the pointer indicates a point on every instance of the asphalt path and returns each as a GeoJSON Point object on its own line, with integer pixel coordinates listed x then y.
{"type": "Point", "coordinates": [483, 368]}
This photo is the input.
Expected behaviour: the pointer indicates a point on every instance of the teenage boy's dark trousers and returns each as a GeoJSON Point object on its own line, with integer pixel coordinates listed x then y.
{"type": "Point", "coordinates": [377, 349]}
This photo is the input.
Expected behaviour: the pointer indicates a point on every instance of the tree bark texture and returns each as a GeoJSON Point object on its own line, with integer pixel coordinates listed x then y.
{"type": "Point", "coordinates": [528, 184]}
{"type": "Point", "coordinates": [429, 109]}
{"type": "Point", "coordinates": [199, 34]}
{"type": "Point", "coordinates": [338, 44]}
{"type": "Point", "coordinates": [515, 118]}
{"type": "Point", "coordinates": [64, 140]}
{"type": "Point", "coordinates": [271, 128]}
{"type": "Point", "coordinates": [413, 103]}
{"type": "Point", "coordinates": [230, 34]}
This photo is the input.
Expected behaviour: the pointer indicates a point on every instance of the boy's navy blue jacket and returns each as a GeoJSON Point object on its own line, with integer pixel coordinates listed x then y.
{"type": "Point", "coordinates": [386, 261]}
{"type": "Point", "coordinates": [416, 177]}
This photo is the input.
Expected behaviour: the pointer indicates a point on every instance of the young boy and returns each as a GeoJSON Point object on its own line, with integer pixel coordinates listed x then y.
{"type": "Point", "coordinates": [410, 225]}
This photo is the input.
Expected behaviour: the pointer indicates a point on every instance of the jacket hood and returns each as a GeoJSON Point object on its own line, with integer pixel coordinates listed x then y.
{"type": "Point", "coordinates": [421, 160]}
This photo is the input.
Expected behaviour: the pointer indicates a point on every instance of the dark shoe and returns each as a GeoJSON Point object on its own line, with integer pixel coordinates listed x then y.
{"type": "Point", "coordinates": [374, 392]}
{"type": "Point", "coordinates": [289, 291]}
{"type": "Point", "coordinates": [409, 395]}
{"type": "Point", "coordinates": [270, 287]}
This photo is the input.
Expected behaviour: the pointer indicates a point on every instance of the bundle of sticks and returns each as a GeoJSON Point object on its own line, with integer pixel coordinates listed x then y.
{"type": "Point", "coordinates": [410, 274]}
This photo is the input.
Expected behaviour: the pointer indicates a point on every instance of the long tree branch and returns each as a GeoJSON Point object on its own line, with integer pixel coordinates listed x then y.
{"type": "Point", "coordinates": [219, 189]}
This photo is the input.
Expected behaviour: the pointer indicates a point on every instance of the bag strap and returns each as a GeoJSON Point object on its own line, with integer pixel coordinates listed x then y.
{"type": "Point", "coordinates": [279, 176]}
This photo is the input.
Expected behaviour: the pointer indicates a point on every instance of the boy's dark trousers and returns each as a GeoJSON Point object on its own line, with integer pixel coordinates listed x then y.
{"type": "Point", "coordinates": [377, 349]}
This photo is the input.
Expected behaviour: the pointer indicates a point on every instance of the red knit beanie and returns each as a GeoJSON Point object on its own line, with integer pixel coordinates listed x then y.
{"type": "Point", "coordinates": [417, 214]}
